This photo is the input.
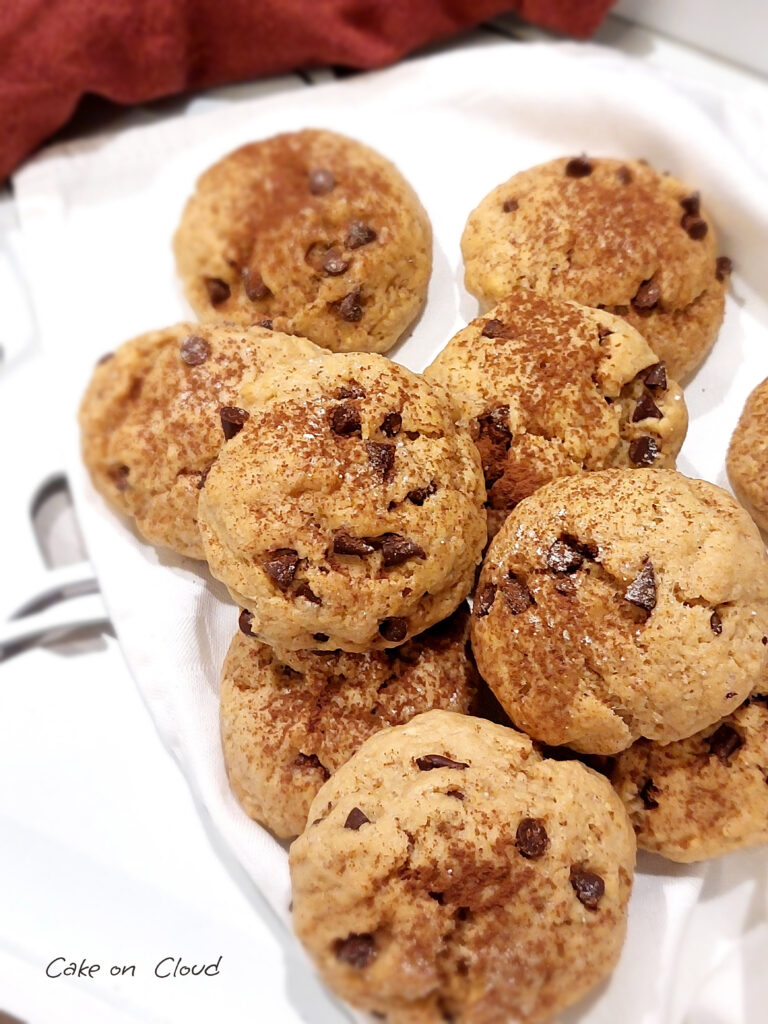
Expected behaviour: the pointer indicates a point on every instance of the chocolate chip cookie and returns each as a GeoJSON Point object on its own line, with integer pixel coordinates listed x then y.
{"type": "Point", "coordinates": [607, 233]}
{"type": "Point", "coordinates": [703, 796]}
{"type": "Point", "coordinates": [153, 419]}
{"type": "Point", "coordinates": [348, 510]}
{"type": "Point", "coordinates": [747, 461]}
{"type": "Point", "coordinates": [289, 721]}
{"type": "Point", "coordinates": [618, 605]}
{"type": "Point", "coordinates": [313, 232]}
{"type": "Point", "coordinates": [451, 873]}
{"type": "Point", "coordinates": [549, 388]}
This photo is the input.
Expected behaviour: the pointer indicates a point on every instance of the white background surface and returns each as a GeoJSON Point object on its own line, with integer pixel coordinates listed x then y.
{"type": "Point", "coordinates": [104, 854]}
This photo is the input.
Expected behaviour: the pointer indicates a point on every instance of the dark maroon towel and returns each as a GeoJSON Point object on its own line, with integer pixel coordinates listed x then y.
{"type": "Point", "coordinates": [52, 52]}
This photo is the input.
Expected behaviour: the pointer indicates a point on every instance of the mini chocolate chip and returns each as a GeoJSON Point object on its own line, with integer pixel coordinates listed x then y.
{"type": "Point", "coordinates": [716, 623]}
{"type": "Point", "coordinates": [578, 167]}
{"type": "Point", "coordinates": [510, 205]}
{"type": "Point", "coordinates": [245, 620]}
{"type": "Point", "coordinates": [455, 793]}
{"type": "Point", "coordinates": [356, 950]}
{"type": "Point", "coordinates": [203, 477]}
{"type": "Point", "coordinates": [643, 451]}
{"type": "Point", "coordinates": [496, 424]}
{"type": "Point", "coordinates": [647, 295]}
{"type": "Point", "coordinates": [394, 629]}
{"type": "Point", "coordinates": [691, 203]}
{"type": "Point", "coordinates": [355, 819]}
{"type": "Point", "coordinates": [119, 477]}
{"type": "Point", "coordinates": [304, 590]}
{"type": "Point", "coordinates": [730, 695]}
{"type": "Point", "coordinates": [420, 494]}
{"type": "Point", "coordinates": [396, 549]}
{"type": "Point", "coordinates": [321, 638]}
{"type": "Point", "coordinates": [430, 761]}
{"type": "Point", "coordinates": [359, 234]}
{"type": "Point", "coordinates": [562, 557]}
{"type": "Point", "coordinates": [280, 566]}
{"type": "Point", "coordinates": [723, 267]}
{"type": "Point", "coordinates": [254, 285]}
{"type": "Point", "coordinates": [233, 420]}
{"type": "Point", "coordinates": [765, 640]}
{"type": "Point", "coordinates": [648, 793]}
{"type": "Point", "coordinates": [311, 761]}
{"type": "Point", "coordinates": [531, 838]}
{"type": "Point", "coordinates": [334, 263]}
{"type": "Point", "coordinates": [588, 886]}
{"type": "Point", "coordinates": [724, 742]}
{"type": "Point", "coordinates": [345, 544]}
{"type": "Point", "coordinates": [493, 329]}
{"type": "Point", "coordinates": [321, 181]}
{"type": "Point", "coordinates": [646, 409]}
{"type": "Point", "coordinates": [350, 307]}
{"type": "Point", "coordinates": [642, 590]}
{"type": "Point", "coordinates": [265, 323]}
{"type": "Point", "coordinates": [694, 226]}
{"type": "Point", "coordinates": [516, 594]}
{"type": "Point", "coordinates": [345, 420]}
{"type": "Point", "coordinates": [484, 600]}
{"type": "Point", "coordinates": [624, 175]}
{"type": "Point", "coordinates": [218, 290]}
{"type": "Point", "coordinates": [350, 390]}
{"type": "Point", "coordinates": [391, 424]}
{"type": "Point", "coordinates": [194, 350]}
{"type": "Point", "coordinates": [412, 435]}
{"type": "Point", "coordinates": [656, 377]}
{"type": "Point", "coordinates": [109, 355]}
{"type": "Point", "coordinates": [381, 457]}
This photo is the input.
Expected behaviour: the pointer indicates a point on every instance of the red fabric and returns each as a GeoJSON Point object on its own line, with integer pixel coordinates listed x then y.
{"type": "Point", "coordinates": [52, 52]}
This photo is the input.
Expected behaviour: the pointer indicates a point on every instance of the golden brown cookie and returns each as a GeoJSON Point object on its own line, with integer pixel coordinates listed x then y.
{"type": "Point", "coordinates": [348, 512]}
{"type": "Point", "coordinates": [703, 796]}
{"type": "Point", "coordinates": [617, 605]}
{"type": "Point", "coordinates": [151, 419]}
{"type": "Point", "coordinates": [312, 232]}
{"type": "Point", "coordinates": [549, 388]}
{"type": "Point", "coordinates": [608, 233]}
{"type": "Point", "coordinates": [747, 461]}
{"type": "Point", "coordinates": [288, 721]}
{"type": "Point", "coordinates": [453, 874]}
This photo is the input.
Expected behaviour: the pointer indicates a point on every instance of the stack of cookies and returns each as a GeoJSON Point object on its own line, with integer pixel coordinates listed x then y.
{"type": "Point", "coordinates": [457, 860]}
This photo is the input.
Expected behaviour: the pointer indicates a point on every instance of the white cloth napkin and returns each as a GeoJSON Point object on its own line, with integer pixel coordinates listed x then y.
{"type": "Point", "coordinates": [97, 219]}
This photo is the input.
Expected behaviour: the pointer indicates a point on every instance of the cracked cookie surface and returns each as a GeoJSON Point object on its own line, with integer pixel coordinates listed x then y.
{"type": "Point", "coordinates": [549, 388]}
{"type": "Point", "coordinates": [312, 231]}
{"type": "Point", "coordinates": [607, 233]}
{"type": "Point", "coordinates": [704, 796]}
{"type": "Point", "coordinates": [451, 873]}
{"type": "Point", "coordinates": [747, 461]}
{"type": "Point", "coordinates": [151, 421]}
{"type": "Point", "coordinates": [289, 720]}
{"type": "Point", "coordinates": [348, 510]}
{"type": "Point", "coordinates": [620, 605]}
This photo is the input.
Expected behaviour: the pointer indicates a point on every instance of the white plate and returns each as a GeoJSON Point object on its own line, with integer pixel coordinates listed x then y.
{"type": "Point", "coordinates": [98, 220]}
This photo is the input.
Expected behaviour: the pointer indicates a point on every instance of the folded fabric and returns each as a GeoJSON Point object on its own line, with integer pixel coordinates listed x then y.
{"type": "Point", "coordinates": [52, 54]}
